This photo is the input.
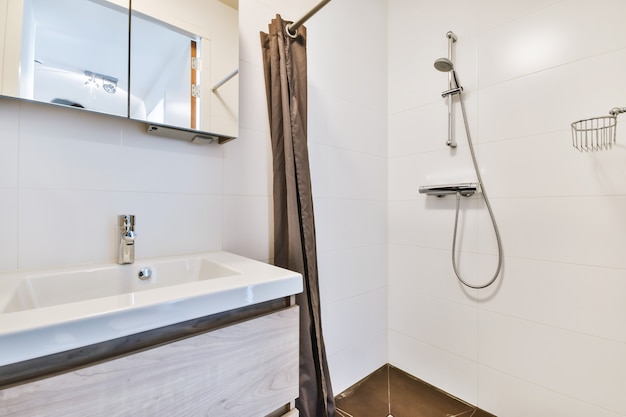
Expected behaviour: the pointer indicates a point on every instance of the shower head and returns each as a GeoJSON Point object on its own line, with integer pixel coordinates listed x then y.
{"type": "Point", "coordinates": [444, 65]}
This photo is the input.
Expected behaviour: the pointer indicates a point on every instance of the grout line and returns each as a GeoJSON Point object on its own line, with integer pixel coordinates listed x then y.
{"type": "Point", "coordinates": [473, 411]}
{"type": "Point", "coordinates": [344, 413]}
{"type": "Point", "coordinates": [388, 390]}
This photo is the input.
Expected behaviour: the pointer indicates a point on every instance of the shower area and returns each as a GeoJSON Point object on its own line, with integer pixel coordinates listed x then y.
{"type": "Point", "coordinates": [547, 336]}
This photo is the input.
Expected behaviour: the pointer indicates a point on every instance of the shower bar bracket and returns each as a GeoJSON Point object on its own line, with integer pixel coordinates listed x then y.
{"type": "Point", "coordinates": [451, 92]}
{"type": "Point", "coordinates": [465, 189]}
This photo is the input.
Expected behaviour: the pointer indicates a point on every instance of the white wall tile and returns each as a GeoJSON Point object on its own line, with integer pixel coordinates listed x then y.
{"type": "Point", "coordinates": [552, 294]}
{"type": "Point", "coordinates": [357, 74]}
{"type": "Point", "coordinates": [407, 92]}
{"type": "Point", "coordinates": [588, 368]}
{"type": "Point", "coordinates": [430, 223]}
{"type": "Point", "coordinates": [524, 167]}
{"type": "Point", "coordinates": [64, 227]}
{"type": "Point", "coordinates": [355, 331]}
{"type": "Point", "coordinates": [420, 129]}
{"type": "Point", "coordinates": [504, 395]}
{"type": "Point", "coordinates": [9, 143]}
{"type": "Point", "coordinates": [342, 224]}
{"type": "Point", "coordinates": [429, 272]}
{"type": "Point", "coordinates": [362, 317]}
{"type": "Point", "coordinates": [253, 113]}
{"type": "Point", "coordinates": [356, 175]}
{"type": "Point", "coordinates": [494, 13]}
{"type": "Point", "coordinates": [8, 225]}
{"type": "Point", "coordinates": [351, 365]}
{"type": "Point", "coordinates": [58, 122]}
{"type": "Point", "coordinates": [558, 97]}
{"type": "Point", "coordinates": [247, 164]}
{"type": "Point", "coordinates": [118, 156]}
{"type": "Point", "coordinates": [318, 163]}
{"type": "Point", "coordinates": [360, 128]}
{"type": "Point", "coordinates": [578, 230]}
{"type": "Point", "coordinates": [247, 225]}
{"type": "Point", "coordinates": [254, 16]}
{"type": "Point", "coordinates": [351, 272]}
{"type": "Point", "coordinates": [407, 38]}
{"type": "Point", "coordinates": [431, 320]}
{"type": "Point", "coordinates": [319, 113]}
{"type": "Point", "coordinates": [408, 173]}
{"type": "Point", "coordinates": [564, 32]}
{"type": "Point", "coordinates": [445, 370]}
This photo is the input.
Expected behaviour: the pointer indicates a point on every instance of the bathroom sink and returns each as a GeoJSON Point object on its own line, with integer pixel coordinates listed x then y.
{"type": "Point", "coordinates": [46, 289]}
{"type": "Point", "coordinates": [46, 312]}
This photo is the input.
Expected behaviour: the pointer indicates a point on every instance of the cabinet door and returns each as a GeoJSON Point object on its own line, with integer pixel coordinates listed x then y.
{"type": "Point", "coordinates": [244, 370]}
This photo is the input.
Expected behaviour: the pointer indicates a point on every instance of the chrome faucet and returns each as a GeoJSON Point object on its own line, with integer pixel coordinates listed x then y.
{"type": "Point", "coordinates": [126, 251]}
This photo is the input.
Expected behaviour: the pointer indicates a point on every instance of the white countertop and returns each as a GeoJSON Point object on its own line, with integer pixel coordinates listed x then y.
{"type": "Point", "coordinates": [36, 332]}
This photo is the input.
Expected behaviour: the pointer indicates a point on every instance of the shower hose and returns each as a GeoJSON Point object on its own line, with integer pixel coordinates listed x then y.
{"type": "Point", "coordinates": [493, 219]}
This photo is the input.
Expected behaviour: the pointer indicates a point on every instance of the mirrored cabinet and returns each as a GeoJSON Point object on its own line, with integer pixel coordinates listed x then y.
{"type": "Point", "coordinates": [173, 67]}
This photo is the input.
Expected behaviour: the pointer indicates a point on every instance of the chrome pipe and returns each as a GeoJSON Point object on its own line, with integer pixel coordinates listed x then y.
{"type": "Point", "coordinates": [225, 80]}
{"type": "Point", "coordinates": [293, 27]}
{"type": "Point", "coordinates": [451, 142]}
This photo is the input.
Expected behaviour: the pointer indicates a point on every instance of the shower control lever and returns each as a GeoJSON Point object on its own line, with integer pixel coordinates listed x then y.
{"type": "Point", "coordinates": [466, 189]}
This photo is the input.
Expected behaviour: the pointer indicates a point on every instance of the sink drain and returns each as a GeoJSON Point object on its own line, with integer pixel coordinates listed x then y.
{"type": "Point", "coordinates": [145, 274]}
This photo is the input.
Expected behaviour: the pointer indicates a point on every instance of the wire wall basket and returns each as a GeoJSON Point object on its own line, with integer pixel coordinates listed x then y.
{"type": "Point", "coordinates": [597, 133]}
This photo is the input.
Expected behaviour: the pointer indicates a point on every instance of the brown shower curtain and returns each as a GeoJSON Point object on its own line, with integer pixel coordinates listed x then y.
{"type": "Point", "coordinates": [284, 60]}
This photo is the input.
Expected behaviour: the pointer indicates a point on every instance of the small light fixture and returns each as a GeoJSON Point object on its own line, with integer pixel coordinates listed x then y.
{"type": "Point", "coordinates": [109, 84]}
{"type": "Point", "coordinates": [91, 80]}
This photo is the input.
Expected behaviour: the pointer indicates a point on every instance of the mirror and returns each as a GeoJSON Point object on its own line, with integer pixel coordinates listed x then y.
{"type": "Point", "coordinates": [67, 52]}
{"type": "Point", "coordinates": [180, 76]}
{"type": "Point", "coordinates": [184, 62]}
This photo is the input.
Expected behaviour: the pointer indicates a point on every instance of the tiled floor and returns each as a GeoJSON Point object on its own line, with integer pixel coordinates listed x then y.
{"type": "Point", "coordinates": [392, 392]}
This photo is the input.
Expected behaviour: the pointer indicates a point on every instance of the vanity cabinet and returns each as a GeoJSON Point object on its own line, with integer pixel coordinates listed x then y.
{"type": "Point", "coordinates": [244, 369]}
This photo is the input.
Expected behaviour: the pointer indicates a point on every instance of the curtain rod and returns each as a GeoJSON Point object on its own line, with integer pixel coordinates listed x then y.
{"type": "Point", "coordinates": [294, 26]}
{"type": "Point", "coordinates": [225, 80]}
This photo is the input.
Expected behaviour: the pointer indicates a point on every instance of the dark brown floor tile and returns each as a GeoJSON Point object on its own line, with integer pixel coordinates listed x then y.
{"type": "Point", "coordinates": [367, 398]}
{"type": "Point", "coordinates": [389, 388]}
{"type": "Point", "coordinates": [482, 413]}
{"type": "Point", "coordinates": [411, 397]}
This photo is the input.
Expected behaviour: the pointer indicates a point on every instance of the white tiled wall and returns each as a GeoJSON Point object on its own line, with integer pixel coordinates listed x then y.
{"type": "Point", "coordinates": [67, 174]}
{"type": "Point", "coordinates": [548, 339]}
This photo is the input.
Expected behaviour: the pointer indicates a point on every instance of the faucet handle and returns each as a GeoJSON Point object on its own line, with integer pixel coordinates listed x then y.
{"type": "Point", "coordinates": [127, 221]}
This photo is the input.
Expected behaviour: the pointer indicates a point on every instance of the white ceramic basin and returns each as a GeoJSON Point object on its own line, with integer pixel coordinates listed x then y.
{"type": "Point", "coordinates": [45, 289]}
{"type": "Point", "coordinates": [47, 312]}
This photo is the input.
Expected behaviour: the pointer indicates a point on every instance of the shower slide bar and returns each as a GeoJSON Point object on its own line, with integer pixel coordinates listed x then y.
{"type": "Point", "coordinates": [465, 189]}
{"type": "Point", "coordinates": [294, 26]}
